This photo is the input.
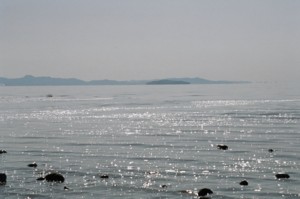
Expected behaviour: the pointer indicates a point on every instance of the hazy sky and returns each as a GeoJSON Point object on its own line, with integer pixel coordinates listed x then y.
{"type": "Point", "coordinates": [147, 39]}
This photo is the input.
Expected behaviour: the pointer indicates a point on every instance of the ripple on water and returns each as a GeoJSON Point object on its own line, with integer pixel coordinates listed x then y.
{"type": "Point", "coordinates": [142, 146]}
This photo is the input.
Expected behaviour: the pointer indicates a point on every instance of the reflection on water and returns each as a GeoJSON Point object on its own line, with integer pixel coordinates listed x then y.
{"type": "Point", "coordinates": [151, 142]}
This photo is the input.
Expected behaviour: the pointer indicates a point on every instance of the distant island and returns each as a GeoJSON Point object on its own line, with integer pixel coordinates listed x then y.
{"type": "Point", "coordinates": [30, 80]}
{"type": "Point", "coordinates": [166, 82]}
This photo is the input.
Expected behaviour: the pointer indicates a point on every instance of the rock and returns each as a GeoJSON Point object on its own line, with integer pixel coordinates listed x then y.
{"type": "Point", "coordinates": [66, 188]}
{"type": "Point", "coordinates": [49, 95]}
{"type": "Point", "coordinates": [2, 178]}
{"type": "Point", "coordinates": [32, 165]}
{"type": "Point", "coordinates": [164, 186]}
{"type": "Point", "coordinates": [271, 150]}
{"type": "Point", "coordinates": [40, 179]}
{"type": "Point", "coordinates": [104, 176]}
{"type": "Point", "coordinates": [222, 146]}
{"type": "Point", "coordinates": [244, 183]}
{"type": "Point", "coordinates": [282, 175]}
{"type": "Point", "coordinates": [53, 177]}
{"type": "Point", "coordinates": [2, 151]}
{"type": "Point", "coordinates": [205, 192]}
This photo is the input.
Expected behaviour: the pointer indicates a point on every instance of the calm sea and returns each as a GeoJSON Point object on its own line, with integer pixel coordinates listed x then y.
{"type": "Point", "coordinates": [152, 141]}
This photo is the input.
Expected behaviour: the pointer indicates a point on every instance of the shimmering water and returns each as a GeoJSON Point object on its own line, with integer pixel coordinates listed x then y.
{"type": "Point", "coordinates": [144, 137]}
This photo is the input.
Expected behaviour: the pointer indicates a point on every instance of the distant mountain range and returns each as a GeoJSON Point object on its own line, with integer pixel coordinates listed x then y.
{"type": "Point", "coordinates": [30, 80]}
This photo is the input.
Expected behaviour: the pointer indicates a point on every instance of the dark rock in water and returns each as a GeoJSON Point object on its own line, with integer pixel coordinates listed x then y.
{"type": "Point", "coordinates": [2, 178]}
{"type": "Point", "coordinates": [2, 151]}
{"type": "Point", "coordinates": [222, 146]}
{"type": "Point", "coordinates": [205, 192]}
{"type": "Point", "coordinates": [164, 186]}
{"type": "Point", "coordinates": [104, 176]}
{"type": "Point", "coordinates": [40, 179]}
{"type": "Point", "coordinates": [66, 188]}
{"type": "Point", "coordinates": [49, 95]}
{"type": "Point", "coordinates": [282, 175]}
{"type": "Point", "coordinates": [53, 177]}
{"type": "Point", "coordinates": [244, 183]}
{"type": "Point", "coordinates": [32, 165]}
{"type": "Point", "coordinates": [271, 150]}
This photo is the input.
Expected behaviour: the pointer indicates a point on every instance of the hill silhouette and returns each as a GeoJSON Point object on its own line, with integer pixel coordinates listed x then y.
{"type": "Point", "coordinates": [30, 80]}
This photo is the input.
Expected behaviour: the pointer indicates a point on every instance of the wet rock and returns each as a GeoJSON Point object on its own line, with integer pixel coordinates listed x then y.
{"type": "Point", "coordinates": [66, 188]}
{"type": "Point", "coordinates": [282, 176]}
{"type": "Point", "coordinates": [2, 178]}
{"type": "Point", "coordinates": [164, 186]}
{"type": "Point", "coordinates": [205, 192]}
{"type": "Point", "coordinates": [53, 177]}
{"type": "Point", "coordinates": [104, 176]}
{"type": "Point", "coordinates": [2, 151]}
{"type": "Point", "coordinates": [222, 147]}
{"type": "Point", "coordinates": [244, 183]}
{"type": "Point", "coordinates": [32, 165]}
{"type": "Point", "coordinates": [49, 95]}
{"type": "Point", "coordinates": [270, 150]}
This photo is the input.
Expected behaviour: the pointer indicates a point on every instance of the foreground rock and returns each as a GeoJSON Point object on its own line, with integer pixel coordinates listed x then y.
{"type": "Point", "coordinates": [104, 176]}
{"type": "Point", "coordinates": [2, 178]}
{"type": "Point", "coordinates": [270, 150]}
{"type": "Point", "coordinates": [282, 176]}
{"type": "Point", "coordinates": [205, 192]}
{"type": "Point", "coordinates": [222, 147]}
{"type": "Point", "coordinates": [2, 151]}
{"type": "Point", "coordinates": [32, 165]}
{"type": "Point", "coordinates": [244, 183]}
{"type": "Point", "coordinates": [53, 177]}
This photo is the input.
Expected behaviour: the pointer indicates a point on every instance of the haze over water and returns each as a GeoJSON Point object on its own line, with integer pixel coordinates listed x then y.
{"type": "Point", "coordinates": [144, 137]}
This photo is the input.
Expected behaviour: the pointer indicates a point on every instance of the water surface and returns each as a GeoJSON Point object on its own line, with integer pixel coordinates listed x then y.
{"type": "Point", "coordinates": [144, 137]}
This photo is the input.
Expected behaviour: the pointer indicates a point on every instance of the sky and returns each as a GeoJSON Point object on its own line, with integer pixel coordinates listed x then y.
{"type": "Point", "coordinates": [254, 40]}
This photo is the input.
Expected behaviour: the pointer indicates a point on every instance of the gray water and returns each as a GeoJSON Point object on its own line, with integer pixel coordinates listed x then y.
{"type": "Point", "coordinates": [144, 137]}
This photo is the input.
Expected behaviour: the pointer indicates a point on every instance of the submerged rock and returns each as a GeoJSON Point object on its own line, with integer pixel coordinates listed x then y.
{"type": "Point", "coordinates": [186, 191]}
{"type": "Point", "coordinates": [271, 150]}
{"type": "Point", "coordinates": [104, 176]}
{"type": "Point", "coordinates": [32, 165]}
{"type": "Point", "coordinates": [282, 175]}
{"type": "Point", "coordinates": [152, 172]}
{"type": "Point", "coordinates": [222, 146]}
{"type": "Point", "coordinates": [2, 151]}
{"type": "Point", "coordinates": [2, 178]}
{"type": "Point", "coordinates": [244, 183]}
{"type": "Point", "coordinates": [164, 186]}
{"type": "Point", "coordinates": [205, 192]}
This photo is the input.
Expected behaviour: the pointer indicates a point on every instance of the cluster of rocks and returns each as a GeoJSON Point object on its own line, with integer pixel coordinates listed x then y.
{"type": "Point", "coordinates": [51, 177]}
{"type": "Point", "coordinates": [245, 182]}
{"type": "Point", "coordinates": [204, 192]}
{"type": "Point", "coordinates": [2, 151]}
